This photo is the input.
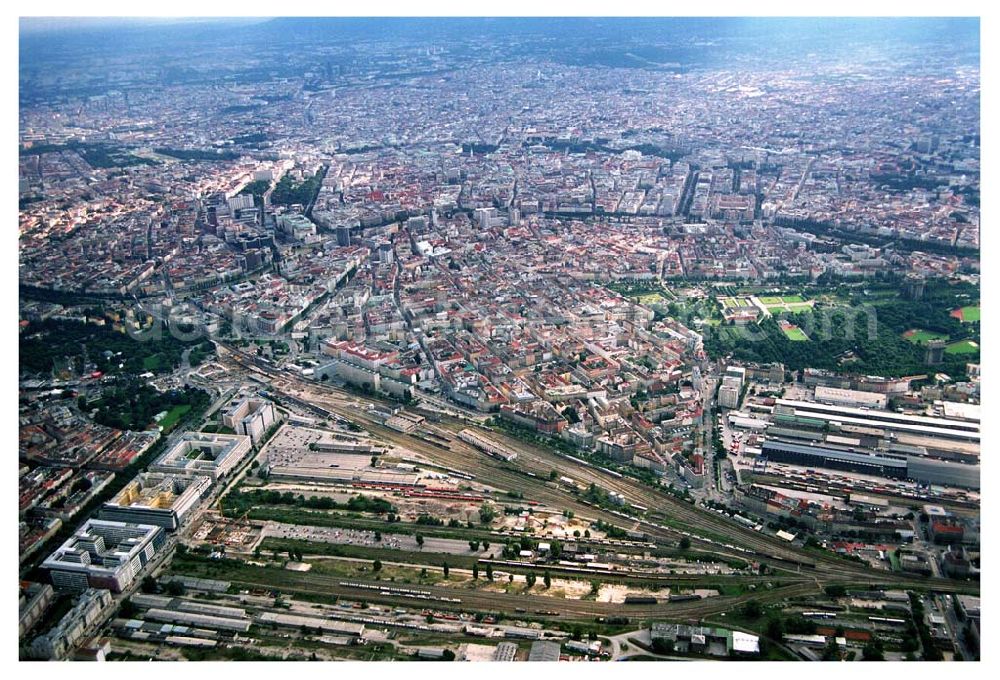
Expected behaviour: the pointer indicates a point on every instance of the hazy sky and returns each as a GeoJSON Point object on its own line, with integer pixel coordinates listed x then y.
{"type": "Point", "coordinates": [42, 24]}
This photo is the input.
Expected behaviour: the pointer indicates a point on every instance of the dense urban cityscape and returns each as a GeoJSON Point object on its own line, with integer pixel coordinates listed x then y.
{"type": "Point", "coordinates": [499, 340]}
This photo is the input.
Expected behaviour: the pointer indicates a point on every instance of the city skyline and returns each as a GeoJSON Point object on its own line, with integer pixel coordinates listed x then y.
{"type": "Point", "coordinates": [500, 339]}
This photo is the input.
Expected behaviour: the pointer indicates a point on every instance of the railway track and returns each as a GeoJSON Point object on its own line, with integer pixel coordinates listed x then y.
{"type": "Point", "coordinates": [443, 598]}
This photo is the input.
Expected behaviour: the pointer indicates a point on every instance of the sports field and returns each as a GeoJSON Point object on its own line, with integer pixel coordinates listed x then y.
{"type": "Point", "coordinates": [962, 347]}
{"type": "Point", "coordinates": [966, 314]}
{"type": "Point", "coordinates": [919, 336]}
{"type": "Point", "coordinates": [793, 332]}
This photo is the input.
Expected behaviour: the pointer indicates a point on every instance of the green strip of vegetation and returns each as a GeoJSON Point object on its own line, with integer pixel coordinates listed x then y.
{"type": "Point", "coordinates": [198, 154]}
{"type": "Point", "coordinates": [288, 192]}
{"type": "Point", "coordinates": [238, 502]}
{"type": "Point", "coordinates": [300, 547]}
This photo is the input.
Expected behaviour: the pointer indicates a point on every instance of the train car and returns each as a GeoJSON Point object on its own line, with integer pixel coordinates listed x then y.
{"type": "Point", "coordinates": [640, 599]}
{"type": "Point", "coordinates": [613, 620]}
{"type": "Point", "coordinates": [684, 598]}
{"type": "Point", "coordinates": [887, 621]}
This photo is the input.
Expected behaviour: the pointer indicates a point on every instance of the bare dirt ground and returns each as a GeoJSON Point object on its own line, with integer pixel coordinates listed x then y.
{"type": "Point", "coordinates": [561, 588]}
{"type": "Point", "coordinates": [616, 593]}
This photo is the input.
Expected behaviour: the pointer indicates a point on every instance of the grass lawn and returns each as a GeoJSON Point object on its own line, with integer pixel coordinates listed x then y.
{"type": "Point", "coordinates": [966, 314]}
{"type": "Point", "coordinates": [962, 347]}
{"type": "Point", "coordinates": [735, 332]}
{"type": "Point", "coordinates": [651, 298]}
{"type": "Point", "coordinates": [795, 333]}
{"type": "Point", "coordinates": [155, 363]}
{"type": "Point", "coordinates": [919, 336]}
{"type": "Point", "coordinates": [894, 561]}
{"type": "Point", "coordinates": [348, 569]}
{"type": "Point", "coordinates": [734, 302]}
{"type": "Point", "coordinates": [363, 552]}
{"type": "Point", "coordinates": [781, 299]}
{"type": "Point", "coordinates": [796, 307]}
{"type": "Point", "coordinates": [786, 303]}
{"type": "Point", "coordinates": [175, 414]}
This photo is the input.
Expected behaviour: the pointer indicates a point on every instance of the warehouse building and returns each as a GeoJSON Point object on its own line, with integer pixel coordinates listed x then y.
{"type": "Point", "coordinates": [742, 421]}
{"type": "Point", "coordinates": [544, 650]}
{"type": "Point", "coordinates": [918, 469]}
{"type": "Point", "coordinates": [896, 422]}
{"type": "Point", "coordinates": [855, 398]}
{"type": "Point", "coordinates": [944, 473]}
{"type": "Point", "coordinates": [343, 628]}
{"type": "Point", "coordinates": [705, 639]}
{"type": "Point", "coordinates": [815, 456]}
{"type": "Point", "coordinates": [171, 633]}
{"type": "Point", "coordinates": [505, 651]}
{"type": "Point", "coordinates": [146, 601]}
{"type": "Point", "coordinates": [194, 619]}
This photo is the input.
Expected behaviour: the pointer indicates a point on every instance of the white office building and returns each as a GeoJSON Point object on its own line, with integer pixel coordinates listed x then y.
{"type": "Point", "coordinates": [202, 453]}
{"type": "Point", "coordinates": [249, 416]}
{"type": "Point", "coordinates": [103, 554]}
{"type": "Point", "coordinates": [156, 498]}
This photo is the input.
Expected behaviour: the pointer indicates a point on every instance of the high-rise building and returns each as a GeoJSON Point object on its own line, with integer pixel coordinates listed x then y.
{"type": "Point", "coordinates": [935, 352]}
{"type": "Point", "coordinates": [240, 202]}
{"type": "Point", "coordinates": [913, 288]}
{"type": "Point", "coordinates": [729, 393]}
{"type": "Point", "coordinates": [249, 416]}
{"type": "Point", "coordinates": [343, 235]}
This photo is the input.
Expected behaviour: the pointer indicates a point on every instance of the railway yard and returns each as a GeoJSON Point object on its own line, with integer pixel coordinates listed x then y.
{"type": "Point", "coordinates": [390, 533]}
